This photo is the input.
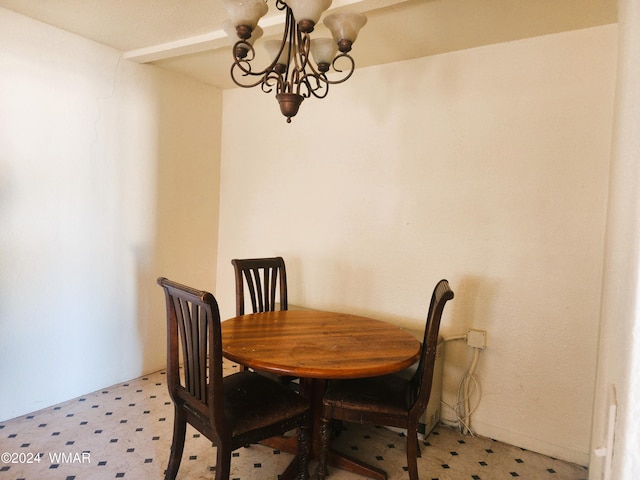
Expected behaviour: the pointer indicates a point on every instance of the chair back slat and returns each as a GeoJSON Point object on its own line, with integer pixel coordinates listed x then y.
{"type": "Point", "coordinates": [266, 283]}
{"type": "Point", "coordinates": [254, 285]}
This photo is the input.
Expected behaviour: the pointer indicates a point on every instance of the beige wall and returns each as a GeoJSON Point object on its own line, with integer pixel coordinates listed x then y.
{"type": "Point", "coordinates": [108, 179]}
{"type": "Point", "coordinates": [488, 167]}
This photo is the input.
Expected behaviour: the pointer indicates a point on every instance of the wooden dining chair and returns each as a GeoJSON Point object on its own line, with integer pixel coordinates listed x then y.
{"type": "Point", "coordinates": [389, 400]}
{"type": "Point", "coordinates": [265, 280]}
{"type": "Point", "coordinates": [231, 411]}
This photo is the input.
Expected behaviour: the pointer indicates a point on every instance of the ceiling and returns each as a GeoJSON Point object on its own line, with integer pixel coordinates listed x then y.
{"type": "Point", "coordinates": [186, 35]}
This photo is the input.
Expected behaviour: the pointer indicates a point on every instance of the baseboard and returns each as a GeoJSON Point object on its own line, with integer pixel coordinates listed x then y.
{"type": "Point", "coordinates": [533, 444]}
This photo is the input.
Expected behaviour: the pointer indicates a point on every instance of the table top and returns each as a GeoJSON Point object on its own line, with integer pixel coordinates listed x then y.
{"type": "Point", "coordinates": [318, 344]}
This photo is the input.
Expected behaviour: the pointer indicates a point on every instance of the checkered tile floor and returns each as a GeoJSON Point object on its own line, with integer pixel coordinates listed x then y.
{"type": "Point", "coordinates": [124, 431]}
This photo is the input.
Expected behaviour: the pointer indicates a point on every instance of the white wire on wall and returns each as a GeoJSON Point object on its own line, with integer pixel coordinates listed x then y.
{"type": "Point", "coordinates": [468, 388]}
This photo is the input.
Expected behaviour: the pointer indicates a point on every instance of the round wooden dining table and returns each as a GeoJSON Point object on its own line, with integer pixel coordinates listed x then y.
{"type": "Point", "coordinates": [318, 346]}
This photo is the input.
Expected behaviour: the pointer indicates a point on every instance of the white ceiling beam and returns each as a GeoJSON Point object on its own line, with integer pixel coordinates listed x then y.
{"type": "Point", "coordinates": [185, 46]}
{"type": "Point", "coordinates": [219, 39]}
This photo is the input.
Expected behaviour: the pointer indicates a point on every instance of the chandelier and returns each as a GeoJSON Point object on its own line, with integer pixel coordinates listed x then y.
{"type": "Point", "coordinates": [299, 64]}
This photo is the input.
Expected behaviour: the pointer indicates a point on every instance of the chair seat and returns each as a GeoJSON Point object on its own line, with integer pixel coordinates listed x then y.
{"type": "Point", "coordinates": [385, 394]}
{"type": "Point", "coordinates": [252, 401]}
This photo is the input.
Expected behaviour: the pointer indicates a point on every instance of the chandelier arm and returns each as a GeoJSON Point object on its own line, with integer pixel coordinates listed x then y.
{"type": "Point", "coordinates": [298, 74]}
{"type": "Point", "coordinates": [304, 44]}
{"type": "Point", "coordinates": [349, 72]}
{"type": "Point", "coordinates": [291, 31]}
{"type": "Point", "coordinates": [244, 54]}
{"type": "Point", "coordinates": [246, 74]}
{"type": "Point", "coordinates": [321, 88]}
{"type": "Point", "coordinates": [270, 81]}
{"type": "Point", "coordinates": [299, 82]}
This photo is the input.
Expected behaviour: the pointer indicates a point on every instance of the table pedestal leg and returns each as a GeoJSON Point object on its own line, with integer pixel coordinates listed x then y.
{"type": "Point", "coordinates": [313, 389]}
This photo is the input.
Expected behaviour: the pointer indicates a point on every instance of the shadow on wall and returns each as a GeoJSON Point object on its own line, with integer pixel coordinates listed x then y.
{"type": "Point", "coordinates": [473, 301]}
{"type": "Point", "coordinates": [150, 307]}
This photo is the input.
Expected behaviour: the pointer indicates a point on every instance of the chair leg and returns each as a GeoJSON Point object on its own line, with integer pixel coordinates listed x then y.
{"type": "Point", "coordinates": [223, 463]}
{"type": "Point", "coordinates": [324, 449]}
{"type": "Point", "coordinates": [177, 444]}
{"type": "Point", "coordinates": [412, 453]}
{"type": "Point", "coordinates": [304, 438]}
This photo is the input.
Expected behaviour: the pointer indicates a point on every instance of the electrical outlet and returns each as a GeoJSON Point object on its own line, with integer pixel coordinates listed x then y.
{"type": "Point", "coordinates": [477, 338]}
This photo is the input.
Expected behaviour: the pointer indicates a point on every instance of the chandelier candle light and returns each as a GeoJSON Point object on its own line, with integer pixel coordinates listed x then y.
{"type": "Point", "coordinates": [291, 72]}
